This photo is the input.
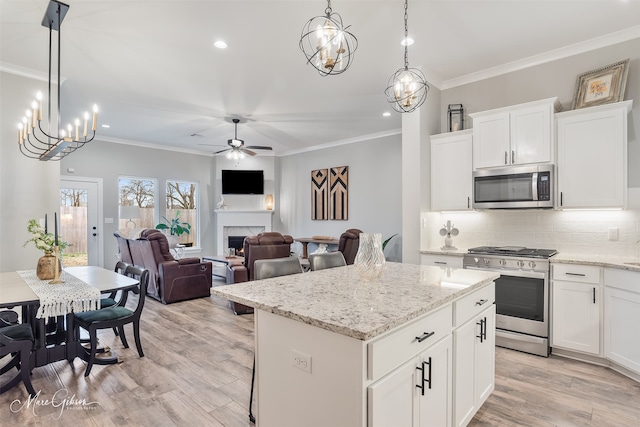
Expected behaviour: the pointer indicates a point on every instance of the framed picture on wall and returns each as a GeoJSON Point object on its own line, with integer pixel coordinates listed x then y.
{"type": "Point", "coordinates": [601, 86]}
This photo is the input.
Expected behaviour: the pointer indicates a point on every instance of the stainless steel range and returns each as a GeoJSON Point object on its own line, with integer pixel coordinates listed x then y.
{"type": "Point", "coordinates": [522, 294]}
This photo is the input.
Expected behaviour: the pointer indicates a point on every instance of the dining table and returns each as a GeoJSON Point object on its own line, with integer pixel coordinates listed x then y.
{"type": "Point", "coordinates": [54, 334]}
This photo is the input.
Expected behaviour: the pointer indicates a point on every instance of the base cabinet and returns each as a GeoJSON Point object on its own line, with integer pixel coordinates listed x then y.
{"type": "Point", "coordinates": [416, 394]}
{"type": "Point", "coordinates": [474, 365]}
{"type": "Point", "coordinates": [576, 308]}
{"type": "Point", "coordinates": [622, 318]}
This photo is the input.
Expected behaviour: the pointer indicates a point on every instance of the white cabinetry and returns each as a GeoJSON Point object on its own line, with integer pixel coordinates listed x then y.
{"type": "Point", "coordinates": [576, 307]}
{"type": "Point", "coordinates": [439, 260]}
{"type": "Point", "coordinates": [416, 394]}
{"type": "Point", "coordinates": [516, 135]}
{"type": "Point", "coordinates": [592, 156]}
{"type": "Point", "coordinates": [622, 318]}
{"type": "Point", "coordinates": [474, 361]}
{"type": "Point", "coordinates": [451, 171]}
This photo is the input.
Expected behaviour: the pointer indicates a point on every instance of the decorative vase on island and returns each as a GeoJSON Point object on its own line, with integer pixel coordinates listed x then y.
{"type": "Point", "coordinates": [370, 261]}
{"type": "Point", "coordinates": [46, 267]}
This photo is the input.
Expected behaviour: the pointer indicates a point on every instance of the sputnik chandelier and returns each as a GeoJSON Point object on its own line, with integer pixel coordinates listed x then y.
{"type": "Point", "coordinates": [407, 88]}
{"type": "Point", "coordinates": [34, 141]}
{"type": "Point", "coordinates": [327, 44]}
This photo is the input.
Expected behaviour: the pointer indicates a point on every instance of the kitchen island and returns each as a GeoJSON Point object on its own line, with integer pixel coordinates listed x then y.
{"type": "Point", "coordinates": [334, 349]}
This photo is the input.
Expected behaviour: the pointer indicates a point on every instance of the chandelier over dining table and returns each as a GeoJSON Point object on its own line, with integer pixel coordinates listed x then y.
{"type": "Point", "coordinates": [55, 142]}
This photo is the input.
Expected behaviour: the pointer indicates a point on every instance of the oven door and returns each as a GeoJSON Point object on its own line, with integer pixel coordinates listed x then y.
{"type": "Point", "coordinates": [522, 302]}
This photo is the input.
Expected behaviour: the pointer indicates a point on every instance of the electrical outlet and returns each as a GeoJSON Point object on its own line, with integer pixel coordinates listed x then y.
{"type": "Point", "coordinates": [301, 361]}
{"type": "Point", "coordinates": [613, 233]}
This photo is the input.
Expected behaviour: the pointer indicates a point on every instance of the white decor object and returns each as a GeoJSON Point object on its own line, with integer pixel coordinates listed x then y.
{"type": "Point", "coordinates": [221, 204]}
{"type": "Point", "coordinates": [448, 230]}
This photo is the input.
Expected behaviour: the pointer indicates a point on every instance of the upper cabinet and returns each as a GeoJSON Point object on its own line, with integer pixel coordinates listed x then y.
{"type": "Point", "coordinates": [516, 135]}
{"type": "Point", "coordinates": [592, 156]}
{"type": "Point", "coordinates": [451, 171]}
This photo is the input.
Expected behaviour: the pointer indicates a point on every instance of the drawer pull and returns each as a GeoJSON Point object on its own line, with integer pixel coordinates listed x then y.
{"type": "Point", "coordinates": [425, 336]}
{"type": "Point", "coordinates": [482, 302]}
{"type": "Point", "coordinates": [576, 274]}
{"type": "Point", "coordinates": [440, 262]}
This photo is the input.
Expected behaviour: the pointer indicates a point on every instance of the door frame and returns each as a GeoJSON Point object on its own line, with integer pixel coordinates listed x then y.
{"type": "Point", "coordinates": [100, 219]}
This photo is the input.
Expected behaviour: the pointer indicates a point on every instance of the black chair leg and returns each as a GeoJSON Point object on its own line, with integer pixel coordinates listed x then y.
{"type": "Point", "coordinates": [92, 356]}
{"type": "Point", "coordinates": [253, 379]}
{"type": "Point", "coordinates": [123, 338]}
{"type": "Point", "coordinates": [136, 336]}
{"type": "Point", "coordinates": [25, 372]}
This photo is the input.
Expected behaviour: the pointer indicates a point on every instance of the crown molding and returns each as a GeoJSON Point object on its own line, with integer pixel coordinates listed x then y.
{"type": "Point", "coordinates": [154, 146]}
{"type": "Point", "coordinates": [553, 55]}
{"type": "Point", "coordinates": [353, 140]}
{"type": "Point", "coordinates": [29, 73]}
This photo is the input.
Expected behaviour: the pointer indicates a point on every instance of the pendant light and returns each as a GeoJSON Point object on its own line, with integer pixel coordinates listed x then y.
{"type": "Point", "coordinates": [327, 44]}
{"type": "Point", "coordinates": [407, 88]}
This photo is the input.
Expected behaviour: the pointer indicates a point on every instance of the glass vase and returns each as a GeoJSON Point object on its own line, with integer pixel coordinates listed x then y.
{"type": "Point", "coordinates": [370, 261]}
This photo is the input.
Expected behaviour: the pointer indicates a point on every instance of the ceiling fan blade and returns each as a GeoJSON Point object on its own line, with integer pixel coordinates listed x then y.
{"type": "Point", "coordinates": [213, 145]}
{"type": "Point", "coordinates": [222, 151]}
{"type": "Point", "coordinates": [249, 152]}
{"type": "Point", "coordinates": [259, 147]}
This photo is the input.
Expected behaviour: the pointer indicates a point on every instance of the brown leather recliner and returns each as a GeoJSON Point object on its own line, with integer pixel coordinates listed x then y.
{"type": "Point", "coordinates": [267, 245]}
{"type": "Point", "coordinates": [349, 243]}
{"type": "Point", "coordinates": [170, 280]}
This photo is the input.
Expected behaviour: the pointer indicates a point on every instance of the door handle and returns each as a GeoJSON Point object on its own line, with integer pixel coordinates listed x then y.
{"type": "Point", "coordinates": [513, 156]}
{"type": "Point", "coordinates": [505, 158]}
{"type": "Point", "coordinates": [594, 295]}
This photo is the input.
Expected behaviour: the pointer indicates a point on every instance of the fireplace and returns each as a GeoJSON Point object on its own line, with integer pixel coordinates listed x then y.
{"type": "Point", "coordinates": [237, 243]}
{"type": "Point", "coordinates": [239, 223]}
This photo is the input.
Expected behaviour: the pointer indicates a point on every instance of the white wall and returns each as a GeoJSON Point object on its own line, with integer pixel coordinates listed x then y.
{"type": "Point", "coordinates": [29, 188]}
{"type": "Point", "coordinates": [374, 190]}
{"type": "Point", "coordinates": [569, 232]}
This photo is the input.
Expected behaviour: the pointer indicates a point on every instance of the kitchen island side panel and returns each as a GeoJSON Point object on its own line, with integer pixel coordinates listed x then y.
{"type": "Point", "coordinates": [331, 394]}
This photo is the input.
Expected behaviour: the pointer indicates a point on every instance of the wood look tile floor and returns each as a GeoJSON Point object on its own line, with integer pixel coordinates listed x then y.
{"type": "Point", "coordinates": [197, 372]}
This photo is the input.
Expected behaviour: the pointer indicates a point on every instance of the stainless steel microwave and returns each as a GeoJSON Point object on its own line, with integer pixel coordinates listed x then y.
{"type": "Point", "coordinates": [514, 187]}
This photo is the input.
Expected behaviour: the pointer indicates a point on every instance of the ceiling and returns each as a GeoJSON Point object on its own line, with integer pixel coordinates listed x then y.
{"type": "Point", "coordinates": [153, 70]}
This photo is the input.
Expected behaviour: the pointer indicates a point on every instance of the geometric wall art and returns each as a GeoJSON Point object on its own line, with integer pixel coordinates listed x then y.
{"type": "Point", "coordinates": [339, 193]}
{"type": "Point", "coordinates": [319, 194]}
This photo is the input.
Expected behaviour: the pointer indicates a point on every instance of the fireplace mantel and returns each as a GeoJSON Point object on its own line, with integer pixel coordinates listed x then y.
{"type": "Point", "coordinates": [240, 218]}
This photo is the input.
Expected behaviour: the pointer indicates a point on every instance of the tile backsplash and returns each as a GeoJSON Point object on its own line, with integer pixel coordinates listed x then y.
{"type": "Point", "coordinates": [570, 232]}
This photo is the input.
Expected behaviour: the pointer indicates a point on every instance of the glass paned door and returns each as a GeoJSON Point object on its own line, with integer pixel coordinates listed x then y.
{"type": "Point", "coordinates": [79, 222]}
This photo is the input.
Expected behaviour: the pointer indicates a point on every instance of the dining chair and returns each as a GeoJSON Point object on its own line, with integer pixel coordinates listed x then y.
{"type": "Point", "coordinates": [326, 260]}
{"type": "Point", "coordinates": [114, 317]}
{"type": "Point", "coordinates": [109, 300]}
{"type": "Point", "coordinates": [265, 269]}
{"type": "Point", "coordinates": [17, 341]}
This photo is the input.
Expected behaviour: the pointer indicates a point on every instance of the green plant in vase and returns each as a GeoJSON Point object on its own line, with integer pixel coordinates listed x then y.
{"type": "Point", "coordinates": [175, 227]}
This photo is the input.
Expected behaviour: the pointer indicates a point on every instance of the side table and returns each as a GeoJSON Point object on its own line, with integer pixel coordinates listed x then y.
{"type": "Point", "coordinates": [220, 264]}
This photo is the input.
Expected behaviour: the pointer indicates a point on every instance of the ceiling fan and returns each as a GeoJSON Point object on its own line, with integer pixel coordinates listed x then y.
{"type": "Point", "coordinates": [238, 149]}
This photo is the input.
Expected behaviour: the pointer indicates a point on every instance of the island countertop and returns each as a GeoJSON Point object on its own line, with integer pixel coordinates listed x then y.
{"type": "Point", "coordinates": [338, 300]}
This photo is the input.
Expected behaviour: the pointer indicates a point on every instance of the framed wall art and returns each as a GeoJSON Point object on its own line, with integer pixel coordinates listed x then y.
{"type": "Point", "coordinates": [601, 86]}
{"type": "Point", "coordinates": [319, 194]}
{"type": "Point", "coordinates": [339, 193]}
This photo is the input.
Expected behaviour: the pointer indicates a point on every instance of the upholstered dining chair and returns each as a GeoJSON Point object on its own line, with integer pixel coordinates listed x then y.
{"type": "Point", "coordinates": [349, 243]}
{"type": "Point", "coordinates": [326, 260]}
{"type": "Point", "coordinates": [265, 269]}
{"type": "Point", "coordinates": [17, 340]}
{"type": "Point", "coordinates": [114, 317]}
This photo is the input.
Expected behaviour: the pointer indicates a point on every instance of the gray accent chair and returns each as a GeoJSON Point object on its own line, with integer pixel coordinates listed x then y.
{"type": "Point", "coordinates": [326, 260]}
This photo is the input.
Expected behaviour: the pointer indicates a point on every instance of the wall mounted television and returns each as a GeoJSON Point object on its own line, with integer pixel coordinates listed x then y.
{"type": "Point", "coordinates": [242, 181]}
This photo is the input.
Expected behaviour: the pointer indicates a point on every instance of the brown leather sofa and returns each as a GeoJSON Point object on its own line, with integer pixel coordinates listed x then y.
{"type": "Point", "coordinates": [170, 280]}
{"type": "Point", "coordinates": [267, 245]}
{"type": "Point", "coordinates": [349, 243]}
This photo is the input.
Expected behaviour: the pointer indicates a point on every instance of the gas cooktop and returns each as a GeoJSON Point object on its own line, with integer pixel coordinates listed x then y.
{"type": "Point", "coordinates": [516, 251]}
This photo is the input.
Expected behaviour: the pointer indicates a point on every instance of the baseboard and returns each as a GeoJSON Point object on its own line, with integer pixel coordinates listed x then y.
{"type": "Point", "coordinates": [595, 360]}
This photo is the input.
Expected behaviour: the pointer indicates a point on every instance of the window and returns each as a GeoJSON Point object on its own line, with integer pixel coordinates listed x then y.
{"type": "Point", "coordinates": [137, 202]}
{"type": "Point", "coordinates": [182, 201]}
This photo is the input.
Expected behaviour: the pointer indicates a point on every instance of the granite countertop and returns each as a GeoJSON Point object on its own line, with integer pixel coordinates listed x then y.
{"type": "Point", "coordinates": [632, 264]}
{"type": "Point", "coordinates": [338, 300]}
{"type": "Point", "coordinates": [460, 252]}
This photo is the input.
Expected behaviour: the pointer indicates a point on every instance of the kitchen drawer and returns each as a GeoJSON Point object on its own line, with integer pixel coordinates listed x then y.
{"type": "Point", "coordinates": [392, 350]}
{"type": "Point", "coordinates": [576, 273]}
{"type": "Point", "coordinates": [622, 279]}
{"type": "Point", "coordinates": [470, 305]}
{"type": "Point", "coordinates": [451, 261]}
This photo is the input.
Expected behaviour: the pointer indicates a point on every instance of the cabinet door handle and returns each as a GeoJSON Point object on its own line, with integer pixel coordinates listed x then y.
{"type": "Point", "coordinates": [424, 336]}
{"type": "Point", "coordinates": [594, 295]}
{"type": "Point", "coordinates": [561, 198]}
{"type": "Point", "coordinates": [505, 158]}
{"type": "Point", "coordinates": [513, 157]}
{"type": "Point", "coordinates": [422, 379]}
{"type": "Point", "coordinates": [576, 274]}
{"type": "Point", "coordinates": [428, 363]}
{"type": "Point", "coordinates": [482, 302]}
{"type": "Point", "coordinates": [483, 329]}
{"type": "Point", "coordinates": [440, 262]}
{"type": "Point", "coordinates": [468, 202]}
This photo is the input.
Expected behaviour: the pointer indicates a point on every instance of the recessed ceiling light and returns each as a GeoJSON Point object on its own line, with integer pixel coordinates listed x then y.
{"type": "Point", "coordinates": [220, 44]}
{"type": "Point", "coordinates": [407, 41]}
{"type": "Point", "coordinates": [386, 114]}
{"type": "Point", "coordinates": [106, 126]}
